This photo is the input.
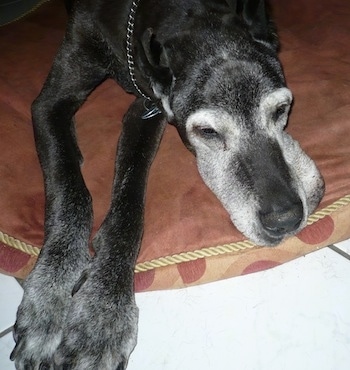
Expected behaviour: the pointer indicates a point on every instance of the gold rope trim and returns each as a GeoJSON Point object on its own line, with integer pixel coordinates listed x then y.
{"type": "Point", "coordinates": [29, 11]}
{"type": "Point", "coordinates": [195, 255]}
{"type": "Point", "coordinates": [186, 256]}
{"type": "Point", "coordinates": [233, 247]}
{"type": "Point", "coordinates": [342, 202]}
{"type": "Point", "coordinates": [17, 244]}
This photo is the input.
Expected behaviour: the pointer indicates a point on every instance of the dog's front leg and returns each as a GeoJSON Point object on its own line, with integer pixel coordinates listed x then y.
{"type": "Point", "coordinates": [101, 326]}
{"type": "Point", "coordinates": [47, 291]}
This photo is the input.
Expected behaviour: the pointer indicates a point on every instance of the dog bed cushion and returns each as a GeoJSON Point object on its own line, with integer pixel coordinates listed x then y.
{"type": "Point", "coordinates": [11, 10]}
{"type": "Point", "coordinates": [188, 236]}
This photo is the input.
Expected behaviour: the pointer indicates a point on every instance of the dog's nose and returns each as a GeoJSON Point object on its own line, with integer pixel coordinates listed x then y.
{"type": "Point", "coordinates": [280, 220]}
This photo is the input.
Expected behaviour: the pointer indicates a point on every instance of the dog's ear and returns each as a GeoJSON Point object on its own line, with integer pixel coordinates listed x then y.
{"type": "Point", "coordinates": [155, 61]}
{"type": "Point", "coordinates": [254, 13]}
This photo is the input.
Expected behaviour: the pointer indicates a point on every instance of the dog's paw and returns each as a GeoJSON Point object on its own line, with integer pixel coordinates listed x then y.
{"type": "Point", "coordinates": [38, 328]}
{"type": "Point", "coordinates": [100, 330]}
{"type": "Point", "coordinates": [42, 312]}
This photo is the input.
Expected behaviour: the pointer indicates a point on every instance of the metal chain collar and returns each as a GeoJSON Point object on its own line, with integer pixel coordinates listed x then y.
{"type": "Point", "coordinates": [152, 110]}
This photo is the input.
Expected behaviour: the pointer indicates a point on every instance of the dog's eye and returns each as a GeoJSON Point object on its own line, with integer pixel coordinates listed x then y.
{"type": "Point", "coordinates": [279, 112]}
{"type": "Point", "coordinates": [206, 132]}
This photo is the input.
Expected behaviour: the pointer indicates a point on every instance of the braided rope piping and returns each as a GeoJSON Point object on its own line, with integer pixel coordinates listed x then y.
{"type": "Point", "coordinates": [186, 256]}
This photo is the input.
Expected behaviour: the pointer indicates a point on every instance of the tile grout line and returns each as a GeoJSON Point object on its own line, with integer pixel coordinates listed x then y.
{"type": "Point", "coordinates": [339, 251]}
{"type": "Point", "coordinates": [6, 331]}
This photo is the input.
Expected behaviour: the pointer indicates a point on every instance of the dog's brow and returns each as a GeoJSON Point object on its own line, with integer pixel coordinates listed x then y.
{"type": "Point", "coordinates": [276, 98]}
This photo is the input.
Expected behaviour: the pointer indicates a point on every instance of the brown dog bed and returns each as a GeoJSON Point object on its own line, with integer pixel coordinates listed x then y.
{"type": "Point", "coordinates": [188, 237]}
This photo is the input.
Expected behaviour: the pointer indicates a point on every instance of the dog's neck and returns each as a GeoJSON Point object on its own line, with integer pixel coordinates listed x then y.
{"type": "Point", "coordinates": [151, 109]}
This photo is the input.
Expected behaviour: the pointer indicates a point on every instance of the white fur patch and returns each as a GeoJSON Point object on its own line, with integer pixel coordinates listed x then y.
{"type": "Point", "coordinates": [272, 101]}
{"type": "Point", "coordinates": [216, 119]}
{"type": "Point", "coordinates": [276, 98]}
{"type": "Point", "coordinates": [164, 99]}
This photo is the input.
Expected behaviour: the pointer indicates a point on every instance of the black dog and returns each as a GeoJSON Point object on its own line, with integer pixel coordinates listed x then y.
{"type": "Point", "coordinates": [211, 69]}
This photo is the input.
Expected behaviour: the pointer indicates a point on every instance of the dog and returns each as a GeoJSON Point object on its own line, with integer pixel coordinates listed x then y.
{"type": "Point", "coordinates": [211, 69]}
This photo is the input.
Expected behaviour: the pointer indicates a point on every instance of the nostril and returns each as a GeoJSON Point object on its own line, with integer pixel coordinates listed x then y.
{"type": "Point", "coordinates": [282, 221]}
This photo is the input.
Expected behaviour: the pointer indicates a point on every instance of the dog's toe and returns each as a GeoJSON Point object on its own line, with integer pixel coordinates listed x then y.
{"type": "Point", "coordinates": [16, 350]}
{"type": "Point", "coordinates": [63, 367]}
{"type": "Point", "coordinates": [122, 366]}
{"type": "Point", "coordinates": [45, 366]}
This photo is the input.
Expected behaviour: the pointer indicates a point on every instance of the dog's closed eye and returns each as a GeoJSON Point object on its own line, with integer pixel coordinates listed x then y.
{"type": "Point", "coordinates": [280, 111]}
{"type": "Point", "coordinates": [206, 132]}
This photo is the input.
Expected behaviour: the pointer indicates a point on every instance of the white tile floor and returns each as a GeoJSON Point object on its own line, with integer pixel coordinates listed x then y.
{"type": "Point", "coordinates": [293, 317]}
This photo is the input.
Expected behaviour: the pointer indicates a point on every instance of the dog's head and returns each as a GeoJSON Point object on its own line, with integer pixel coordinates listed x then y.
{"type": "Point", "coordinates": [222, 85]}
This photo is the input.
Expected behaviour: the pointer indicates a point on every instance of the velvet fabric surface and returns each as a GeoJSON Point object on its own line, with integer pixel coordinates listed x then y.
{"type": "Point", "coordinates": [188, 236]}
